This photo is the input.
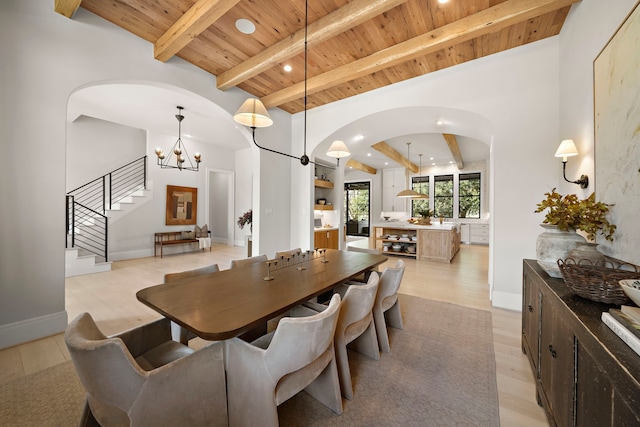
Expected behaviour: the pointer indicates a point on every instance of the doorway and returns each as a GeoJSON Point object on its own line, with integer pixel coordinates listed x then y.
{"type": "Point", "coordinates": [219, 207]}
{"type": "Point", "coordinates": [357, 205]}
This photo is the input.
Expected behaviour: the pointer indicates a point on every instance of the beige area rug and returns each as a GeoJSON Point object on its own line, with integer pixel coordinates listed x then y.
{"type": "Point", "coordinates": [440, 372]}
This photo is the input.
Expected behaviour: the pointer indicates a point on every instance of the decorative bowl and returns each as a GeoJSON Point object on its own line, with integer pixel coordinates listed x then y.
{"type": "Point", "coordinates": [631, 288]}
{"type": "Point", "coordinates": [396, 248]}
{"type": "Point", "coordinates": [411, 249]}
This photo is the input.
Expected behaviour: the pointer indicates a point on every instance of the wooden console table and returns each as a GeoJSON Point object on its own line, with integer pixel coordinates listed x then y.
{"type": "Point", "coordinates": [585, 375]}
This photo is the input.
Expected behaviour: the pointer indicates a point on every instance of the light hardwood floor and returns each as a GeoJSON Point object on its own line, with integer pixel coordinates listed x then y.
{"type": "Point", "coordinates": [110, 298]}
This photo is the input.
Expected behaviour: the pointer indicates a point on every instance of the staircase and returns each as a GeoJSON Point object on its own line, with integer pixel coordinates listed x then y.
{"type": "Point", "coordinates": [95, 205]}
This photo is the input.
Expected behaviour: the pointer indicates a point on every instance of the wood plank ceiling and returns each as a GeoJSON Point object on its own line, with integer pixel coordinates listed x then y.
{"type": "Point", "coordinates": [352, 46]}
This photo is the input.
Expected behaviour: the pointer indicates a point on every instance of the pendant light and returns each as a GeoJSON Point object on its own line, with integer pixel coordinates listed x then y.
{"type": "Point", "coordinates": [178, 152]}
{"type": "Point", "coordinates": [408, 194]}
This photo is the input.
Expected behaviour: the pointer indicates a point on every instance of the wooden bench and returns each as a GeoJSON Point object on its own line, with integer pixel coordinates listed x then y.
{"type": "Point", "coordinates": [172, 238]}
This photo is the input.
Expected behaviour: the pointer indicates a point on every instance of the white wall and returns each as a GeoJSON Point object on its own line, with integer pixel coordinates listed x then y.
{"type": "Point", "coordinates": [46, 57]}
{"type": "Point", "coordinates": [96, 147]}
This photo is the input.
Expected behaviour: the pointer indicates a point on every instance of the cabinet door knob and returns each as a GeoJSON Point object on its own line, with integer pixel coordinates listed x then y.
{"type": "Point", "coordinates": [552, 351]}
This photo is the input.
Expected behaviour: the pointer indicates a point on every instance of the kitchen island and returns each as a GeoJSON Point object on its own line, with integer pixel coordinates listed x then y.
{"type": "Point", "coordinates": [436, 242]}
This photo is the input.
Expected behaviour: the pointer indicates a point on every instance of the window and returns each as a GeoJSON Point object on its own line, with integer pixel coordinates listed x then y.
{"type": "Point", "coordinates": [421, 185]}
{"type": "Point", "coordinates": [443, 195]}
{"type": "Point", "coordinates": [469, 195]}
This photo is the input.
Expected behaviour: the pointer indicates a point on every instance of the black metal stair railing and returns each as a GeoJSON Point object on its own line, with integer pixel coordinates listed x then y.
{"type": "Point", "coordinates": [86, 206]}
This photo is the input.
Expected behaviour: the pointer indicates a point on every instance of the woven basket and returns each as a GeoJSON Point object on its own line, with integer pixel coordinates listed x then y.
{"type": "Point", "coordinates": [598, 282]}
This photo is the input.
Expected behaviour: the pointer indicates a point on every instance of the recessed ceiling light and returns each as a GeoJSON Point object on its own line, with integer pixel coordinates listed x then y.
{"type": "Point", "coordinates": [245, 26]}
{"type": "Point", "coordinates": [433, 164]}
{"type": "Point", "coordinates": [439, 122]}
{"type": "Point", "coordinates": [368, 154]}
{"type": "Point", "coordinates": [450, 162]}
{"type": "Point", "coordinates": [430, 158]}
{"type": "Point", "coordinates": [287, 68]}
{"type": "Point", "coordinates": [386, 163]}
{"type": "Point", "coordinates": [358, 137]}
{"type": "Point", "coordinates": [443, 1]}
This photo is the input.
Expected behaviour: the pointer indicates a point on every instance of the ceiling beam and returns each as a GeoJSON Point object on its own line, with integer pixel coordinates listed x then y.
{"type": "Point", "coordinates": [391, 153]}
{"type": "Point", "coordinates": [484, 22]}
{"type": "Point", "coordinates": [198, 18]}
{"type": "Point", "coordinates": [66, 7]}
{"type": "Point", "coordinates": [327, 27]}
{"type": "Point", "coordinates": [354, 164]}
{"type": "Point", "coordinates": [452, 143]}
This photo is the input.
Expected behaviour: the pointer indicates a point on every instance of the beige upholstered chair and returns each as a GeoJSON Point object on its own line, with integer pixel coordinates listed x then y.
{"type": "Point", "coordinates": [298, 355]}
{"type": "Point", "coordinates": [386, 305]}
{"type": "Point", "coordinates": [289, 257]}
{"type": "Point", "coordinates": [237, 263]}
{"type": "Point", "coordinates": [142, 378]}
{"type": "Point", "coordinates": [173, 277]}
{"type": "Point", "coordinates": [355, 327]}
{"type": "Point", "coordinates": [178, 333]}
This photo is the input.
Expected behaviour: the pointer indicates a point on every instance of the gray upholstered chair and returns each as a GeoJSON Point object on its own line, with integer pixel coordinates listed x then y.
{"type": "Point", "coordinates": [386, 308]}
{"type": "Point", "coordinates": [173, 277]}
{"type": "Point", "coordinates": [178, 333]}
{"type": "Point", "coordinates": [355, 327]}
{"type": "Point", "coordinates": [237, 263]}
{"type": "Point", "coordinates": [298, 355]}
{"type": "Point", "coordinates": [141, 377]}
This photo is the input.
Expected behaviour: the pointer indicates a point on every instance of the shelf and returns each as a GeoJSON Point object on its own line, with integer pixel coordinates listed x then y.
{"type": "Point", "coordinates": [323, 184]}
{"type": "Point", "coordinates": [323, 207]}
{"type": "Point", "coordinates": [399, 253]}
{"type": "Point", "coordinates": [398, 241]}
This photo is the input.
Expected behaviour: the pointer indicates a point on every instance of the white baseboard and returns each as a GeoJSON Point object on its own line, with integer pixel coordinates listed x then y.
{"type": "Point", "coordinates": [32, 329]}
{"type": "Point", "coordinates": [125, 255]}
{"type": "Point", "coordinates": [507, 300]}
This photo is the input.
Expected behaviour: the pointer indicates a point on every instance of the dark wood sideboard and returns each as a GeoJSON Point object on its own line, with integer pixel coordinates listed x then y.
{"type": "Point", "coordinates": [585, 375]}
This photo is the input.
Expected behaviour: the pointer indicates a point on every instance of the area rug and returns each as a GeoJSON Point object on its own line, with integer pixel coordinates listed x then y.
{"type": "Point", "coordinates": [440, 372]}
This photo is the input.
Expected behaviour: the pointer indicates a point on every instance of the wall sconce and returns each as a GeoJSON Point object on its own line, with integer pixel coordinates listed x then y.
{"type": "Point", "coordinates": [567, 149]}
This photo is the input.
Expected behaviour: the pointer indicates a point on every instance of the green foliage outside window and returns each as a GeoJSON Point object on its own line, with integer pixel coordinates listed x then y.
{"type": "Point", "coordinates": [443, 195]}
{"type": "Point", "coordinates": [421, 185]}
{"type": "Point", "coordinates": [469, 195]}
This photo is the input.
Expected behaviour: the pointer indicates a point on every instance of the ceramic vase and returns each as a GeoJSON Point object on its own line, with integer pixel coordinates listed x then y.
{"type": "Point", "coordinates": [554, 244]}
{"type": "Point", "coordinates": [587, 251]}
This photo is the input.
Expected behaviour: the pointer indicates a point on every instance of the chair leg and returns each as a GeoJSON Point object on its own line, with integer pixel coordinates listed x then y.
{"type": "Point", "coordinates": [367, 343]}
{"type": "Point", "coordinates": [394, 316]}
{"type": "Point", "coordinates": [381, 330]}
{"type": "Point", "coordinates": [326, 388]}
{"type": "Point", "coordinates": [344, 373]}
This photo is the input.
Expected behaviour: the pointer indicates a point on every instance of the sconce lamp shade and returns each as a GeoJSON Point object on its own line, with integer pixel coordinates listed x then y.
{"type": "Point", "coordinates": [338, 150]}
{"type": "Point", "coordinates": [566, 149]}
{"type": "Point", "coordinates": [253, 113]}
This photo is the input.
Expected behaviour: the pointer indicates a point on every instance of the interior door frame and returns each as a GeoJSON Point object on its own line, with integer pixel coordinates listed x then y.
{"type": "Point", "coordinates": [356, 181]}
{"type": "Point", "coordinates": [230, 203]}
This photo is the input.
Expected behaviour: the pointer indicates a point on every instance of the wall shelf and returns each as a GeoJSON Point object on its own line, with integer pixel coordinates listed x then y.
{"type": "Point", "coordinates": [323, 184]}
{"type": "Point", "coordinates": [323, 207]}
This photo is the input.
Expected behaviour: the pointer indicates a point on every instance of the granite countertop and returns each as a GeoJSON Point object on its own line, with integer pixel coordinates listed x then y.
{"type": "Point", "coordinates": [324, 228]}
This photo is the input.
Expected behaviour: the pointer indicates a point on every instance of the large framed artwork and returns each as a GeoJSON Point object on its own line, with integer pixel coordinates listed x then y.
{"type": "Point", "coordinates": [616, 73]}
{"type": "Point", "coordinates": [182, 205]}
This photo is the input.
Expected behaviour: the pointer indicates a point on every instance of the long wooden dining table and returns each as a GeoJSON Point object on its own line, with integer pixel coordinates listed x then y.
{"type": "Point", "coordinates": [230, 303]}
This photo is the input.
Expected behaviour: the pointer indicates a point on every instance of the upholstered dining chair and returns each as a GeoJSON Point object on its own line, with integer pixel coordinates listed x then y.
{"type": "Point", "coordinates": [386, 308]}
{"type": "Point", "coordinates": [141, 377]}
{"type": "Point", "coordinates": [288, 257]}
{"type": "Point", "coordinates": [173, 277]}
{"type": "Point", "coordinates": [355, 327]}
{"type": "Point", "coordinates": [298, 355]}
{"type": "Point", "coordinates": [178, 333]}
{"type": "Point", "coordinates": [237, 263]}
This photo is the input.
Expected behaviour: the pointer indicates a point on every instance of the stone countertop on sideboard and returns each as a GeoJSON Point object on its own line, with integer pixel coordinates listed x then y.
{"type": "Point", "coordinates": [324, 228]}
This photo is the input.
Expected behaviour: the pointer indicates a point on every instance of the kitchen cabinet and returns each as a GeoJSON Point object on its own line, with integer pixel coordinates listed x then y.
{"type": "Point", "coordinates": [435, 242]}
{"type": "Point", "coordinates": [326, 239]}
{"type": "Point", "coordinates": [393, 182]}
{"type": "Point", "coordinates": [585, 375]}
{"type": "Point", "coordinates": [479, 234]}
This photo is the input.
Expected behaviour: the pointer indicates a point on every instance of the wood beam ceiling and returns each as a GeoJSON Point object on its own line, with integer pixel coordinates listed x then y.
{"type": "Point", "coordinates": [391, 153]}
{"type": "Point", "coordinates": [198, 18]}
{"type": "Point", "coordinates": [354, 164]}
{"type": "Point", "coordinates": [348, 16]}
{"type": "Point", "coordinates": [452, 143]}
{"type": "Point", "coordinates": [66, 7]}
{"type": "Point", "coordinates": [482, 23]}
